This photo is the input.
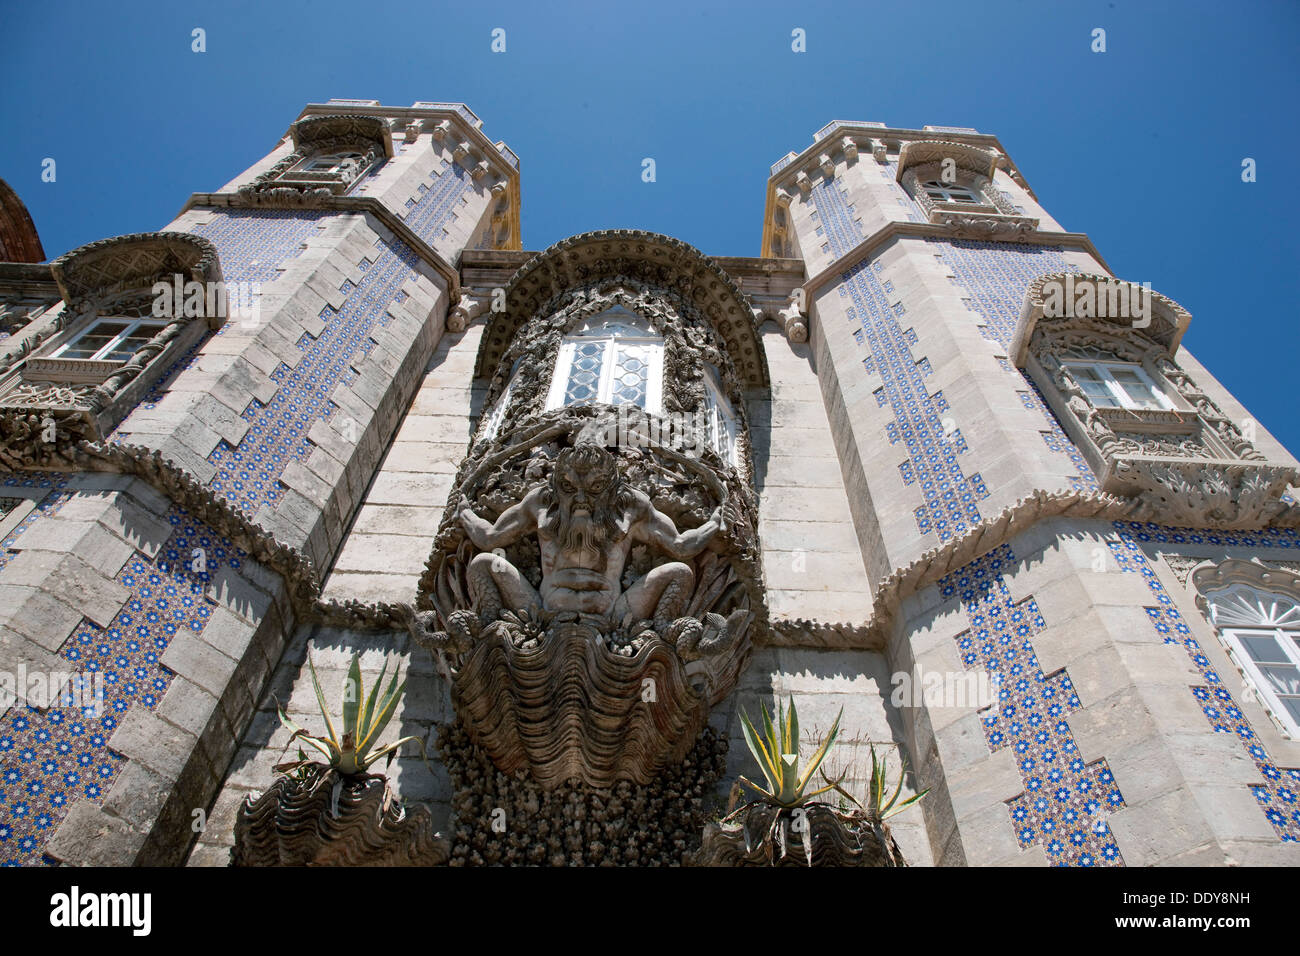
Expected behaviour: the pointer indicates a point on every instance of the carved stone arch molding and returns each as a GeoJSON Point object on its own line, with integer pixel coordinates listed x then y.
{"type": "Point", "coordinates": [49, 404]}
{"type": "Point", "coordinates": [996, 217]}
{"type": "Point", "coordinates": [1186, 462]}
{"type": "Point", "coordinates": [1226, 577]}
{"type": "Point", "coordinates": [678, 269]}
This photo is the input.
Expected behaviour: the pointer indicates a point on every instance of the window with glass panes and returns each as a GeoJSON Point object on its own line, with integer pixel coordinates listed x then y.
{"type": "Point", "coordinates": [1118, 385]}
{"type": "Point", "coordinates": [110, 339]}
{"type": "Point", "coordinates": [950, 192]}
{"type": "Point", "coordinates": [719, 423]}
{"type": "Point", "coordinates": [616, 359]}
{"type": "Point", "coordinates": [1262, 630]}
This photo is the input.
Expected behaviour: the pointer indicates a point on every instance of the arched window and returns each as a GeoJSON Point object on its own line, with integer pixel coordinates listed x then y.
{"type": "Point", "coordinates": [1262, 631]}
{"type": "Point", "coordinates": [614, 358]}
{"type": "Point", "coordinates": [951, 192]}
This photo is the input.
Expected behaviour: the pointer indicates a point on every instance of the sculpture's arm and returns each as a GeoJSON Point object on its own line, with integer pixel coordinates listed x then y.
{"type": "Point", "coordinates": [657, 528]}
{"type": "Point", "coordinates": [515, 522]}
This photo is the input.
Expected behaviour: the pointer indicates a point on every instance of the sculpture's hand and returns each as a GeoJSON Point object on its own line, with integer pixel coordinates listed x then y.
{"type": "Point", "coordinates": [719, 518]}
{"type": "Point", "coordinates": [465, 510]}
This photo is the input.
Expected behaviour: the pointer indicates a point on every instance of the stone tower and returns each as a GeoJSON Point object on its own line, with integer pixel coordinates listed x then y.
{"type": "Point", "coordinates": [925, 462]}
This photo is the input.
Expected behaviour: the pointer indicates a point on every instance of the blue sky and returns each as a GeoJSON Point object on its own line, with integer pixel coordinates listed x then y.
{"type": "Point", "coordinates": [1140, 146]}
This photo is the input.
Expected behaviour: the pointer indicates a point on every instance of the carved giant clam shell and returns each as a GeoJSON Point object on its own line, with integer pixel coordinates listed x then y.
{"type": "Point", "coordinates": [296, 823]}
{"type": "Point", "coordinates": [569, 707]}
{"type": "Point", "coordinates": [837, 839]}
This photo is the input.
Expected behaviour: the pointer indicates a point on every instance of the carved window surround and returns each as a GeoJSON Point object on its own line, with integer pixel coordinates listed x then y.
{"type": "Point", "coordinates": [960, 164]}
{"type": "Point", "coordinates": [48, 403]}
{"type": "Point", "coordinates": [1189, 464]}
{"type": "Point", "coordinates": [361, 142]}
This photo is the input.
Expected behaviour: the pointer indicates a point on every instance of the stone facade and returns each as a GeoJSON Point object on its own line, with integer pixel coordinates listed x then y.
{"type": "Point", "coordinates": [903, 504]}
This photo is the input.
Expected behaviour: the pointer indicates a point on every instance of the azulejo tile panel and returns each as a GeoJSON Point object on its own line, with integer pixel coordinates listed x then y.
{"type": "Point", "coordinates": [1066, 801]}
{"type": "Point", "coordinates": [248, 474]}
{"type": "Point", "coordinates": [995, 275]}
{"type": "Point", "coordinates": [1277, 793]}
{"type": "Point", "coordinates": [50, 759]}
{"type": "Point", "coordinates": [932, 444]}
{"type": "Point", "coordinates": [48, 505]}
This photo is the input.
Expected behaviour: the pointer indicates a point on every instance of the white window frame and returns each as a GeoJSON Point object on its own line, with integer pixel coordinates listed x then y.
{"type": "Point", "coordinates": [1246, 611]}
{"type": "Point", "coordinates": [612, 340]}
{"type": "Point", "coordinates": [929, 187]}
{"type": "Point", "coordinates": [719, 410]}
{"type": "Point", "coordinates": [132, 325]}
{"type": "Point", "coordinates": [1105, 372]}
{"type": "Point", "coordinates": [1263, 687]}
{"type": "Point", "coordinates": [498, 413]}
{"type": "Point", "coordinates": [317, 164]}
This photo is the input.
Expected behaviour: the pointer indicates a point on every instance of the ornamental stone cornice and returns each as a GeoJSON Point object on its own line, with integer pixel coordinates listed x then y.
{"type": "Point", "coordinates": [924, 230]}
{"type": "Point", "coordinates": [654, 259]}
{"type": "Point", "coordinates": [304, 590]}
{"type": "Point", "coordinates": [332, 132]}
{"type": "Point", "coordinates": [966, 156]}
{"type": "Point", "coordinates": [110, 269]}
{"type": "Point", "coordinates": [1168, 319]}
{"type": "Point", "coordinates": [851, 140]}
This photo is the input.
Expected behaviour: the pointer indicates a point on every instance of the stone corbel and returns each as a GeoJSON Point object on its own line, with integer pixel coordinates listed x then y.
{"type": "Point", "coordinates": [792, 319]}
{"type": "Point", "coordinates": [827, 166]}
{"type": "Point", "coordinates": [413, 131]}
{"type": "Point", "coordinates": [441, 130]}
{"type": "Point", "coordinates": [804, 184]}
{"type": "Point", "coordinates": [850, 148]}
{"type": "Point", "coordinates": [469, 308]}
{"type": "Point", "coordinates": [480, 170]}
{"type": "Point", "coordinates": [879, 152]}
{"type": "Point", "coordinates": [460, 153]}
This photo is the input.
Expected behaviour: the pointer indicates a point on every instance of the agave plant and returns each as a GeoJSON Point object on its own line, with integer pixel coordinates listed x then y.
{"type": "Point", "coordinates": [777, 753]}
{"type": "Point", "coordinates": [364, 719]}
{"type": "Point", "coordinates": [778, 758]}
{"type": "Point", "coordinates": [876, 802]}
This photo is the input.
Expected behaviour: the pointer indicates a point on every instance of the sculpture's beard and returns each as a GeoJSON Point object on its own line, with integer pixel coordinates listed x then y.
{"type": "Point", "coordinates": [586, 534]}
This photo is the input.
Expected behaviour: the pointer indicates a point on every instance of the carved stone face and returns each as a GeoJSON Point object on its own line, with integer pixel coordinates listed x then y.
{"type": "Point", "coordinates": [584, 478]}
{"type": "Point", "coordinates": [585, 485]}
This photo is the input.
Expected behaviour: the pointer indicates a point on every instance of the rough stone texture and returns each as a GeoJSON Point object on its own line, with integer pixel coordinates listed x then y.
{"type": "Point", "coordinates": [510, 820]}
